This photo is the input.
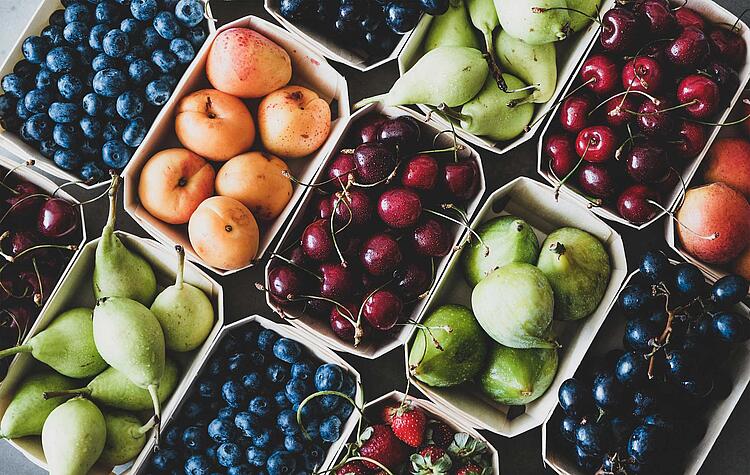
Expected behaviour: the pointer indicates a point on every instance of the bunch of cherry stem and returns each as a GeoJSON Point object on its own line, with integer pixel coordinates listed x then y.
{"type": "Point", "coordinates": [10, 258]}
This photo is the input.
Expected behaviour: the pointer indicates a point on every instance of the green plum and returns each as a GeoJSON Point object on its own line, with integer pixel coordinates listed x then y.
{"type": "Point", "coordinates": [516, 376]}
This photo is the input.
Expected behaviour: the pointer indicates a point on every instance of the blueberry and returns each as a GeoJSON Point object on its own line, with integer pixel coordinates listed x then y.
{"type": "Point", "coordinates": [281, 462]}
{"type": "Point", "coordinates": [313, 429]}
{"type": "Point", "coordinates": [297, 390]}
{"type": "Point", "coordinates": [646, 443]}
{"type": "Point", "coordinates": [344, 411]}
{"type": "Point", "coordinates": [45, 79]}
{"type": "Point", "coordinates": [263, 438]}
{"type": "Point", "coordinates": [77, 12]}
{"type": "Point", "coordinates": [313, 457]}
{"type": "Point", "coordinates": [113, 130]}
{"type": "Point", "coordinates": [66, 135]}
{"type": "Point", "coordinates": [401, 17]}
{"type": "Point", "coordinates": [35, 49]}
{"type": "Point", "coordinates": [25, 68]}
{"type": "Point", "coordinates": [266, 340]}
{"type": "Point", "coordinates": [329, 377]}
{"type": "Point", "coordinates": [260, 406]}
{"type": "Point", "coordinates": [594, 438]}
{"type": "Point", "coordinates": [70, 86]}
{"type": "Point", "coordinates": [197, 464]}
{"type": "Point", "coordinates": [107, 12]}
{"type": "Point", "coordinates": [606, 391]}
{"type": "Point", "coordinates": [116, 43]}
{"type": "Point", "coordinates": [286, 421]}
{"type": "Point", "coordinates": [12, 123]}
{"type": "Point", "coordinates": [233, 393]}
{"type": "Point", "coordinates": [85, 56]}
{"type": "Point", "coordinates": [7, 105]}
{"type": "Point", "coordinates": [189, 12]}
{"type": "Point", "coordinates": [249, 424]}
{"type": "Point", "coordinates": [640, 333]}
{"type": "Point", "coordinates": [635, 298]}
{"type": "Point", "coordinates": [115, 154]}
{"type": "Point", "coordinates": [287, 350]}
{"type": "Point", "coordinates": [349, 386]}
{"type": "Point", "coordinates": [252, 381]}
{"type": "Point", "coordinates": [242, 469]}
{"type": "Point", "coordinates": [169, 5]}
{"type": "Point", "coordinates": [166, 25]}
{"type": "Point", "coordinates": [632, 369]}
{"type": "Point", "coordinates": [54, 34]}
{"type": "Point", "coordinates": [91, 171]}
{"type": "Point", "coordinates": [227, 413]}
{"type": "Point", "coordinates": [277, 372]}
{"type": "Point", "coordinates": [729, 290]}
{"type": "Point", "coordinates": [143, 10]}
{"type": "Point", "coordinates": [329, 403]}
{"type": "Point", "coordinates": [91, 149]}
{"type": "Point", "coordinates": [26, 135]}
{"type": "Point", "coordinates": [141, 71]}
{"type": "Point", "coordinates": [38, 100]}
{"type": "Point", "coordinates": [230, 345]}
{"type": "Point", "coordinates": [568, 427]}
{"type": "Point", "coordinates": [102, 61]}
{"type": "Point", "coordinates": [61, 59]}
{"type": "Point", "coordinates": [169, 79]}
{"type": "Point", "coordinates": [575, 398]}
{"type": "Point", "coordinates": [164, 60]}
{"type": "Point", "coordinates": [135, 132]}
{"type": "Point", "coordinates": [303, 370]}
{"type": "Point", "coordinates": [15, 85]}
{"type": "Point", "coordinates": [131, 26]}
{"type": "Point", "coordinates": [228, 455]}
{"type": "Point", "coordinates": [164, 459]}
{"type": "Point", "coordinates": [76, 32]}
{"type": "Point", "coordinates": [109, 82]}
{"type": "Point", "coordinates": [258, 359]}
{"type": "Point", "coordinates": [96, 36]}
{"type": "Point", "coordinates": [93, 104]}
{"type": "Point", "coordinates": [256, 456]}
{"type": "Point", "coordinates": [151, 38]}
{"type": "Point", "coordinates": [730, 327]}
{"type": "Point", "coordinates": [64, 112]}
{"type": "Point", "coordinates": [22, 112]}
{"type": "Point", "coordinates": [434, 7]}
{"type": "Point", "coordinates": [158, 92]}
{"type": "Point", "coordinates": [688, 280]}
{"type": "Point", "coordinates": [221, 430]}
{"type": "Point", "coordinates": [295, 10]}
{"type": "Point", "coordinates": [130, 105]}
{"type": "Point", "coordinates": [645, 401]}
{"type": "Point", "coordinates": [67, 159]}
{"type": "Point", "coordinates": [281, 400]}
{"type": "Point", "coordinates": [57, 18]}
{"type": "Point", "coordinates": [655, 266]}
{"type": "Point", "coordinates": [194, 438]}
{"type": "Point", "coordinates": [182, 49]}
{"type": "Point", "coordinates": [330, 429]}
{"type": "Point", "coordinates": [197, 36]}
{"type": "Point", "coordinates": [192, 411]}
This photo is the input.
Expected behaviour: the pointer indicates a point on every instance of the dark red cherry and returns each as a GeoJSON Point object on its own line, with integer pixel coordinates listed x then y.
{"type": "Point", "coordinates": [341, 325]}
{"type": "Point", "coordinates": [728, 45]}
{"type": "Point", "coordinates": [383, 309]}
{"type": "Point", "coordinates": [633, 203]}
{"type": "Point", "coordinates": [647, 162]}
{"type": "Point", "coordinates": [413, 279]}
{"type": "Point", "coordinates": [22, 203]}
{"type": "Point", "coordinates": [701, 93]}
{"type": "Point", "coordinates": [460, 180]}
{"type": "Point", "coordinates": [323, 208]}
{"type": "Point", "coordinates": [400, 208]}
{"type": "Point", "coordinates": [604, 72]}
{"type": "Point", "coordinates": [689, 50]}
{"type": "Point", "coordinates": [561, 150]}
{"type": "Point", "coordinates": [367, 129]}
{"type": "Point", "coordinates": [351, 207]}
{"type": "Point", "coordinates": [18, 315]}
{"type": "Point", "coordinates": [598, 179]}
{"type": "Point", "coordinates": [402, 132]}
{"type": "Point", "coordinates": [338, 281]}
{"type": "Point", "coordinates": [618, 111]}
{"type": "Point", "coordinates": [57, 218]}
{"type": "Point", "coordinates": [298, 257]}
{"type": "Point", "coordinates": [726, 78]}
{"type": "Point", "coordinates": [574, 113]}
{"type": "Point", "coordinates": [597, 143]}
{"type": "Point", "coordinates": [652, 122]}
{"type": "Point", "coordinates": [22, 240]}
{"type": "Point", "coordinates": [621, 30]}
{"type": "Point", "coordinates": [284, 281]}
{"type": "Point", "coordinates": [340, 167]}
{"type": "Point", "coordinates": [654, 51]}
{"type": "Point", "coordinates": [421, 172]}
{"type": "Point", "coordinates": [642, 74]}
{"type": "Point", "coordinates": [40, 284]}
{"type": "Point", "coordinates": [658, 18]}
{"type": "Point", "coordinates": [688, 17]}
{"type": "Point", "coordinates": [317, 308]}
{"type": "Point", "coordinates": [380, 254]}
{"type": "Point", "coordinates": [316, 240]}
{"type": "Point", "coordinates": [692, 137]}
{"type": "Point", "coordinates": [432, 238]}
{"type": "Point", "coordinates": [374, 162]}
{"type": "Point", "coordinates": [667, 185]}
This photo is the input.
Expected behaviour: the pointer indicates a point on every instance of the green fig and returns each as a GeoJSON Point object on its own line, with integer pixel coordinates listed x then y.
{"type": "Point", "coordinates": [533, 64]}
{"type": "Point", "coordinates": [126, 437]}
{"type": "Point", "coordinates": [131, 340]}
{"type": "Point", "coordinates": [577, 267]}
{"type": "Point", "coordinates": [581, 13]}
{"type": "Point", "coordinates": [449, 349]}
{"type": "Point", "coordinates": [184, 312]}
{"type": "Point", "coordinates": [66, 345]}
{"type": "Point", "coordinates": [112, 388]}
{"type": "Point", "coordinates": [515, 376]}
{"type": "Point", "coordinates": [118, 272]}
{"type": "Point", "coordinates": [452, 28]}
{"type": "Point", "coordinates": [514, 304]}
{"type": "Point", "coordinates": [534, 21]}
{"type": "Point", "coordinates": [505, 239]}
{"type": "Point", "coordinates": [449, 75]}
{"type": "Point", "coordinates": [493, 114]}
{"type": "Point", "coordinates": [27, 410]}
{"type": "Point", "coordinates": [73, 437]}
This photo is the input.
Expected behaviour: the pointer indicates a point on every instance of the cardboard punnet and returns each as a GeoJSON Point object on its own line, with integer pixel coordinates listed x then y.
{"type": "Point", "coordinates": [320, 328]}
{"type": "Point", "coordinates": [559, 455]}
{"type": "Point", "coordinates": [714, 14]}
{"type": "Point", "coordinates": [535, 203]}
{"type": "Point", "coordinates": [309, 70]}
{"type": "Point", "coordinates": [569, 54]}
{"type": "Point", "coordinates": [76, 290]}
{"type": "Point", "coordinates": [329, 47]}
{"type": "Point", "coordinates": [13, 142]}
{"type": "Point", "coordinates": [433, 411]}
{"type": "Point", "coordinates": [323, 354]}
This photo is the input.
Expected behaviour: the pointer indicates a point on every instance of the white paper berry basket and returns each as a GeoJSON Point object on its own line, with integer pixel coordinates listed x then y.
{"type": "Point", "coordinates": [535, 203]}
{"type": "Point", "coordinates": [76, 290]}
{"type": "Point", "coordinates": [713, 13]}
{"type": "Point", "coordinates": [559, 455]}
{"type": "Point", "coordinates": [372, 413]}
{"type": "Point", "coordinates": [569, 54]}
{"type": "Point", "coordinates": [309, 69]}
{"type": "Point", "coordinates": [324, 355]}
{"type": "Point", "coordinates": [12, 142]}
{"type": "Point", "coordinates": [320, 329]}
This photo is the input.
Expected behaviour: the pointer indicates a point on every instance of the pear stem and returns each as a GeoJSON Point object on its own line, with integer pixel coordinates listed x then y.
{"type": "Point", "coordinates": [84, 392]}
{"type": "Point", "coordinates": [112, 192]}
{"type": "Point", "coordinates": [180, 279]}
{"type": "Point", "coordinates": [495, 71]}
{"type": "Point", "coordinates": [15, 350]}
{"type": "Point", "coordinates": [147, 426]}
{"type": "Point", "coordinates": [369, 100]}
{"type": "Point", "coordinates": [558, 248]}
{"type": "Point", "coordinates": [543, 10]}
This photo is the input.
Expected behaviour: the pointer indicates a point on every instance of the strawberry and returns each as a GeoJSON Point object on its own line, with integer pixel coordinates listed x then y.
{"type": "Point", "coordinates": [382, 446]}
{"type": "Point", "coordinates": [431, 460]}
{"type": "Point", "coordinates": [352, 468]}
{"type": "Point", "coordinates": [409, 423]}
{"type": "Point", "coordinates": [432, 451]}
{"type": "Point", "coordinates": [470, 469]}
{"type": "Point", "coordinates": [387, 414]}
{"type": "Point", "coordinates": [441, 434]}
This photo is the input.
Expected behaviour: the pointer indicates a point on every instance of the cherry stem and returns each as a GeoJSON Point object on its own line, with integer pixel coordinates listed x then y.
{"type": "Point", "coordinates": [668, 109]}
{"type": "Point", "coordinates": [297, 266]}
{"type": "Point", "coordinates": [83, 203]}
{"type": "Point", "coordinates": [339, 199]}
{"type": "Point", "coordinates": [722, 124]}
{"type": "Point", "coordinates": [68, 183]}
{"type": "Point", "coordinates": [554, 106]}
{"type": "Point", "coordinates": [623, 94]}
{"type": "Point", "coordinates": [473, 233]}
{"type": "Point", "coordinates": [286, 174]}
{"type": "Point", "coordinates": [27, 163]}
{"type": "Point", "coordinates": [9, 258]}
{"type": "Point", "coordinates": [20, 202]}
{"type": "Point", "coordinates": [672, 215]}
{"type": "Point", "coordinates": [20, 334]}
{"type": "Point", "coordinates": [571, 172]}
{"type": "Point", "coordinates": [441, 150]}
{"type": "Point", "coordinates": [39, 296]}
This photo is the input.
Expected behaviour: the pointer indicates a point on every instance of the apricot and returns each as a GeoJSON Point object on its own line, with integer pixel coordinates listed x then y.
{"type": "Point", "coordinates": [224, 233]}
{"type": "Point", "coordinates": [256, 180]}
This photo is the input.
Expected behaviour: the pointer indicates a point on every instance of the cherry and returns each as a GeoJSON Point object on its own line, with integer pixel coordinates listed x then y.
{"type": "Point", "coordinates": [57, 218]}
{"type": "Point", "coordinates": [285, 281]}
{"type": "Point", "coordinates": [598, 180]}
{"type": "Point", "coordinates": [616, 110]}
{"type": "Point", "coordinates": [642, 74]}
{"type": "Point", "coordinates": [652, 122]}
{"type": "Point", "coordinates": [297, 256]}
{"type": "Point", "coordinates": [689, 50]}
{"type": "Point", "coordinates": [340, 167]}
{"type": "Point", "coordinates": [317, 241]}
{"type": "Point", "coordinates": [432, 238]}
{"type": "Point", "coordinates": [654, 51]}
{"type": "Point", "coordinates": [687, 17]}
{"type": "Point", "coordinates": [702, 92]}
{"type": "Point", "coordinates": [603, 73]}
{"type": "Point", "coordinates": [621, 30]}
{"type": "Point", "coordinates": [726, 78]}
{"type": "Point", "coordinates": [421, 172]}
{"type": "Point", "coordinates": [402, 132]}
{"type": "Point", "coordinates": [380, 254]}
{"type": "Point", "coordinates": [647, 162]}
{"type": "Point", "coordinates": [341, 325]}
{"type": "Point", "coordinates": [383, 309]}
{"type": "Point", "coordinates": [633, 203]}
{"type": "Point", "coordinates": [368, 128]}
{"type": "Point", "coordinates": [337, 283]}
{"type": "Point", "coordinates": [460, 180]}
{"type": "Point", "coordinates": [574, 112]}
{"type": "Point", "coordinates": [668, 183]}
{"type": "Point", "coordinates": [692, 139]}
{"type": "Point", "coordinates": [658, 17]}
{"type": "Point", "coordinates": [374, 162]}
{"type": "Point", "coordinates": [400, 208]}
{"type": "Point", "coordinates": [40, 285]}
{"type": "Point", "coordinates": [317, 308]}
{"type": "Point", "coordinates": [22, 204]}
{"type": "Point", "coordinates": [596, 144]}
{"type": "Point", "coordinates": [561, 150]}
{"type": "Point", "coordinates": [22, 240]}
{"type": "Point", "coordinates": [353, 206]}
{"type": "Point", "coordinates": [412, 280]}
{"type": "Point", "coordinates": [323, 208]}
{"type": "Point", "coordinates": [728, 45]}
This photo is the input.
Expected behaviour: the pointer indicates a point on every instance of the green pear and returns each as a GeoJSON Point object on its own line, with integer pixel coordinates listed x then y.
{"type": "Point", "coordinates": [452, 28]}
{"type": "Point", "coordinates": [131, 340]}
{"type": "Point", "coordinates": [450, 349]}
{"type": "Point", "coordinates": [586, 9]}
{"type": "Point", "coordinates": [112, 388]}
{"type": "Point", "coordinates": [484, 18]}
{"type": "Point", "coordinates": [449, 75]}
{"type": "Point", "coordinates": [126, 437]}
{"type": "Point", "coordinates": [515, 376]}
{"type": "Point", "coordinates": [533, 64]}
{"type": "Point", "coordinates": [118, 272]}
{"type": "Point", "coordinates": [184, 312]}
{"type": "Point", "coordinates": [27, 410]}
{"type": "Point", "coordinates": [492, 112]}
{"type": "Point", "coordinates": [66, 345]}
{"type": "Point", "coordinates": [73, 437]}
{"type": "Point", "coordinates": [504, 239]}
{"type": "Point", "coordinates": [534, 21]}
{"type": "Point", "coordinates": [577, 267]}
{"type": "Point", "coordinates": [514, 304]}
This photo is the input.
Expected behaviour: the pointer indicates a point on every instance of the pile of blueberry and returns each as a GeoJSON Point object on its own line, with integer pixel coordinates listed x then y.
{"type": "Point", "coordinates": [372, 26]}
{"type": "Point", "coordinates": [639, 410]}
{"type": "Point", "coordinates": [241, 417]}
{"type": "Point", "coordinates": [92, 82]}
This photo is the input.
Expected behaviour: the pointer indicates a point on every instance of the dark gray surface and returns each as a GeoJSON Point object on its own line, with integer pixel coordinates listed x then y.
{"type": "Point", "coordinates": [520, 455]}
